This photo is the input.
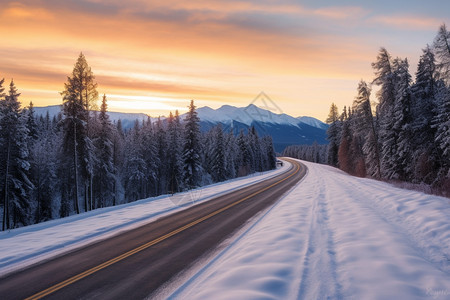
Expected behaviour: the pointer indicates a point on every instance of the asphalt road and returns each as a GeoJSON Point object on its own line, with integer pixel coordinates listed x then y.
{"type": "Point", "coordinates": [134, 264]}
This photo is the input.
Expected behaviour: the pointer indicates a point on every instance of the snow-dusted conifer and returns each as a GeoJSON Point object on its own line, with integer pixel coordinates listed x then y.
{"type": "Point", "coordinates": [14, 164]}
{"type": "Point", "coordinates": [191, 151]}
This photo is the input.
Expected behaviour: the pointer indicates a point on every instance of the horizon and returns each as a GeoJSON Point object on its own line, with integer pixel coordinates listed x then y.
{"type": "Point", "coordinates": [166, 116]}
{"type": "Point", "coordinates": [150, 57]}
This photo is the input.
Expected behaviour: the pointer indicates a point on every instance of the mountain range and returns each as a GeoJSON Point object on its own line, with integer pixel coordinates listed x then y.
{"type": "Point", "coordinates": [284, 129]}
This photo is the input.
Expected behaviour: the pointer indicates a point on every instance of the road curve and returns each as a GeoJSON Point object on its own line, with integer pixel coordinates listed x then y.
{"type": "Point", "coordinates": [134, 264]}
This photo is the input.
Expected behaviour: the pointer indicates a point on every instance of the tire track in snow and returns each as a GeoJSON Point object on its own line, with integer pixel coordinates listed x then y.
{"type": "Point", "coordinates": [319, 278]}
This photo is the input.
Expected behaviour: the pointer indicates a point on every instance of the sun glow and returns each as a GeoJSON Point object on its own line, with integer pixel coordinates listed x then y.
{"type": "Point", "coordinates": [151, 105]}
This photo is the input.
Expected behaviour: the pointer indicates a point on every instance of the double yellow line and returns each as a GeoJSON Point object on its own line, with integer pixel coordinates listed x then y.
{"type": "Point", "coordinates": [93, 270]}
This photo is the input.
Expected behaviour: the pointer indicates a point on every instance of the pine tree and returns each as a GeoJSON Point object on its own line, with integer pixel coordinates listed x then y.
{"type": "Point", "coordinates": [367, 129]}
{"type": "Point", "coordinates": [44, 154]}
{"type": "Point", "coordinates": [402, 122]}
{"type": "Point", "coordinates": [135, 166]}
{"type": "Point", "coordinates": [191, 150]}
{"type": "Point", "coordinates": [344, 153]}
{"type": "Point", "coordinates": [385, 78]}
{"type": "Point", "coordinates": [175, 170]}
{"type": "Point", "coordinates": [333, 135]}
{"type": "Point", "coordinates": [161, 152]}
{"type": "Point", "coordinates": [218, 155]}
{"type": "Point", "coordinates": [78, 97]}
{"type": "Point", "coordinates": [423, 108]}
{"type": "Point", "coordinates": [14, 164]}
{"type": "Point", "coordinates": [104, 171]}
{"type": "Point", "coordinates": [442, 51]}
{"type": "Point", "coordinates": [244, 158]}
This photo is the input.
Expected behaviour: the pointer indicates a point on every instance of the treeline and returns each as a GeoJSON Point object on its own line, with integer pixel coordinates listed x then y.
{"type": "Point", "coordinates": [313, 153]}
{"type": "Point", "coordinates": [80, 161]}
{"type": "Point", "coordinates": [406, 135]}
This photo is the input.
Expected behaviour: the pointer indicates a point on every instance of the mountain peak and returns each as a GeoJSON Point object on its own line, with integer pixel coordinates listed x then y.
{"type": "Point", "coordinates": [252, 113]}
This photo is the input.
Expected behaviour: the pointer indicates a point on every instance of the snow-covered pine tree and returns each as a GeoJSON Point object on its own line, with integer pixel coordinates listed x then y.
{"type": "Point", "coordinates": [218, 155]}
{"type": "Point", "coordinates": [423, 109]}
{"type": "Point", "coordinates": [135, 166]}
{"type": "Point", "coordinates": [344, 155]}
{"type": "Point", "coordinates": [151, 158]}
{"type": "Point", "coordinates": [401, 167]}
{"type": "Point", "coordinates": [231, 154]}
{"type": "Point", "coordinates": [174, 167]}
{"type": "Point", "coordinates": [44, 157]}
{"type": "Point", "coordinates": [366, 128]}
{"type": "Point", "coordinates": [161, 151]}
{"type": "Point", "coordinates": [192, 170]}
{"type": "Point", "coordinates": [244, 157]}
{"type": "Point", "coordinates": [442, 51]}
{"type": "Point", "coordinates": [14, 164]}
{"type": "Point", "coordinates": [255, 147]}
{"type": "Point", "coordinates": [333, 135]}
{"type": "Point", "coordinates": [104, 169]}
{"type": "Point", "coordinates": [78, 97]}
{"type": "Point", "coordinates": [385, 78]}
{"type": "Point", "coordinates": [118, 141]}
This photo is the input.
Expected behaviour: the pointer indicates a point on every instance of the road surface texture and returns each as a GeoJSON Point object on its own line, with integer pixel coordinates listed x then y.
{"type": "Point", "coordinates": [134, 264]}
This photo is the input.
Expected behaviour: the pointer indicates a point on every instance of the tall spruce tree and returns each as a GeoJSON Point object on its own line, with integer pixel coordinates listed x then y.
{"type": "Point", "coordinates": [78, 97]}
{"type": "Point", "coordinates": [367, 129]}
{"type": "Point", "coordinates": [333, 135]}
{"type": "Point", "coordinates": [192, 168]}
{"type": "Point", "coordinates": [442, 51]}
{"type": "Point", "coordinates": [174, 167]}
{"type": "Point", "coordinates": [14, 163]}
{"type": "Point", "coordinates": [104, 171]}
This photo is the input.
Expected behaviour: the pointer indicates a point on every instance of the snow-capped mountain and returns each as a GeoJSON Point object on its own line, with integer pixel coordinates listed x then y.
{"type": "Point", "coordinates": [284, 129]}
{"type": "Point", "coordinates": [313, 122]}
{"type": "Point", "coordinates": [247, 115]}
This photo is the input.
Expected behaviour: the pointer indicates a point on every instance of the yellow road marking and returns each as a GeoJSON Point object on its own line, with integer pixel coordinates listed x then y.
{"type": "Point", "coordinates": [84, 274]}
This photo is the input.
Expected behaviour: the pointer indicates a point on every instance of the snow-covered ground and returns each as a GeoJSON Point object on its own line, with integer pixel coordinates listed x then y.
{"type": "Point", "coordinates": [333, 237]}
{"type": "Point", "coordinates": [24, 246]}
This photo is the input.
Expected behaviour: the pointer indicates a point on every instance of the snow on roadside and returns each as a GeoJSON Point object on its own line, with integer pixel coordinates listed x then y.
{"type": "Point", "coordinates": [335, 237]}
{"type": "Point", "coordinates": [27, 245]}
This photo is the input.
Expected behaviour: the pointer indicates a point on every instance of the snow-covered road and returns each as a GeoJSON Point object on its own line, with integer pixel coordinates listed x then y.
{"type": "Point", "coordinates": [333, 237]}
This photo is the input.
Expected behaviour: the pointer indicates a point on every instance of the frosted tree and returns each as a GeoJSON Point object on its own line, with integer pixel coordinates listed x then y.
{"type": "Point", "coordinates": [333, 135]}
{"type": "Point", "coordinates": [218, 155]}
{"type": "Point", "coordinates": [78, 96]}
{"type": "Point", "coordinates": [175, 144]}
{"type": "Point", "coordinates": [104, 169]}
{"type": "Point", "coordinates": [441, 119]}
{"type": "Point", "coordinates": [191, 151]}
{"type": "Point", "coordinates": [135, 166]}
{"type": "Point", "coordinates": [385, 78]}
{"type": "Point", "coordinates": [366, 128]}
{"type": "Point", "coordinates": [161, 151]}
{"type": "Point", "coordinates": [150, 155]}
{"type": "Point", "coordinates": [269, 152]}
{"type": "Point", "coordinates": [44, 158]}
{"type": "Point", "coordinates": [423, 109]}
{"type": "Point", "coordinates": [402, 122]}
{"type": "Point", "coordinates": [14, 165]}
{"type": "Point", "coordinates": [244, 157]}
{"type": "Point", "coordinates": [344, 153]}
{"type": "Point", "coordinates": [118, 160]}
{"type": "Point", "coordinates": [442, 51]}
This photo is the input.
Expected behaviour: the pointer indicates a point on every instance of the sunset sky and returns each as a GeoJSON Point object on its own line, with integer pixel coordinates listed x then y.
{"type": "Point", "coordinates": [154, 56]}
